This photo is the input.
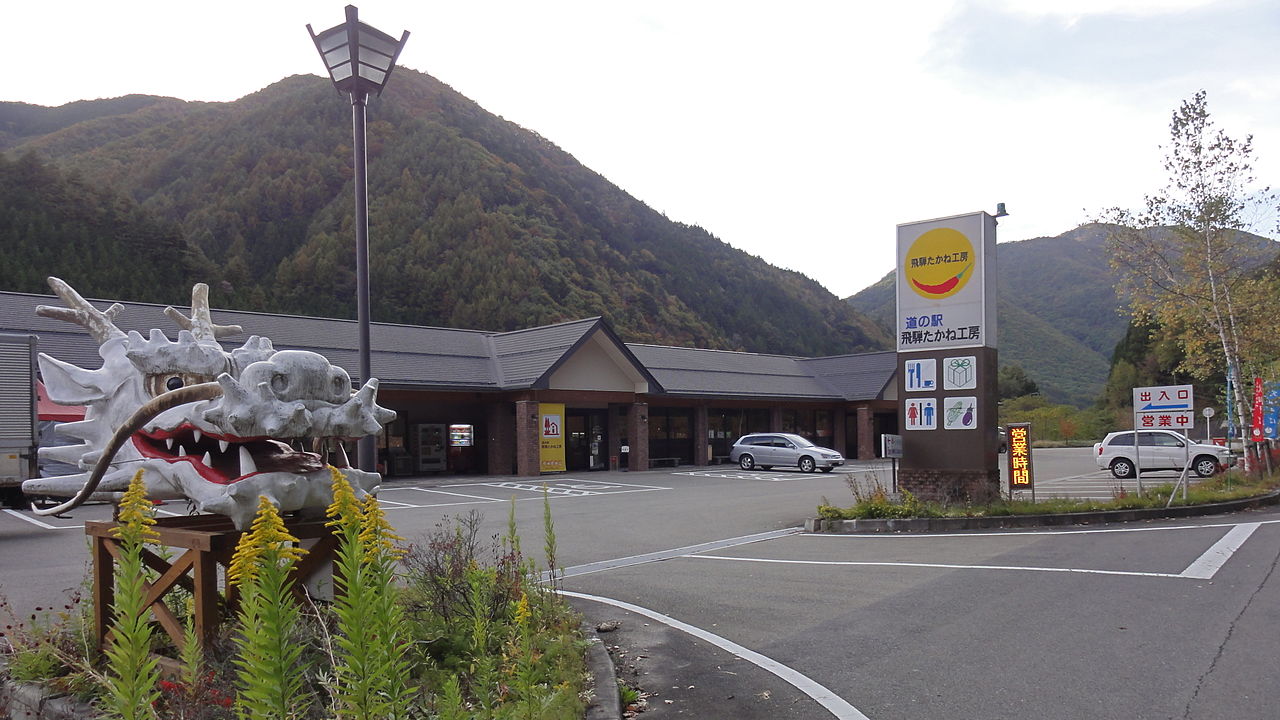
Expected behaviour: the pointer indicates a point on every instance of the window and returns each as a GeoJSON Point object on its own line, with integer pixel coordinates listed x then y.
{"type": "Point", "coordinates": [1125, 439]}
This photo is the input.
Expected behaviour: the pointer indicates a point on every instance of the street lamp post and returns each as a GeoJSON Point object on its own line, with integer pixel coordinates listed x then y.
{"type": "Point", "coordinates": [360, 59]}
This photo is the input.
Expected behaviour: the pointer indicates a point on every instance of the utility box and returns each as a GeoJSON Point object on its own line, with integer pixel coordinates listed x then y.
{"type": "Point", "coordinates": [19, 436]}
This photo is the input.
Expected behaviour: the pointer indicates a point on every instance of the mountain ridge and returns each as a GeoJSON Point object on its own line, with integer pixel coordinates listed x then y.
{"type": "Point", "coordinates": [475, 222]}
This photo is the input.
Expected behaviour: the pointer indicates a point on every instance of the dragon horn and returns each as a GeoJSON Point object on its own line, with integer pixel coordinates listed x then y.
{"type": "Point", "coordinates": [100, 324]}
{"type": "Point", "coordinates": [201, 322]}
{"type": "Point", "coordinates": [157, 405]}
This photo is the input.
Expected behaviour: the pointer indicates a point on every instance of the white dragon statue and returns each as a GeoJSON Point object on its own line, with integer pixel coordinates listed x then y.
{"type": "Point", "coordinates": [217, 428]}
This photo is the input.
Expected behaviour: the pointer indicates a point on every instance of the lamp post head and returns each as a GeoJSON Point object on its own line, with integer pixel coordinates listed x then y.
{"type": "Point", "coordinates": [359, 58]}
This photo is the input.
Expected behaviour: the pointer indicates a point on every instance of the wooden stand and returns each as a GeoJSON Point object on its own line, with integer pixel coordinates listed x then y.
{"type": "Point", "coordinates": [209, 542]}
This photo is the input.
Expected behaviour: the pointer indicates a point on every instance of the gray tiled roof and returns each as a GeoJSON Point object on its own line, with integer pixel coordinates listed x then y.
{"type": "Point", "coordinates": [524, 357]}
{"type": "Point", "coordinates": [445, 358]}
{"type": "Point", "coordinates": [694, 371]}
{"type": "Point", "coordinates": [854, 377]}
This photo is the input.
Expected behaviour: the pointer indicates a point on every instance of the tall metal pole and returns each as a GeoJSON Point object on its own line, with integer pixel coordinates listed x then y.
{"type": "Point", "coordinates": [367, 452]}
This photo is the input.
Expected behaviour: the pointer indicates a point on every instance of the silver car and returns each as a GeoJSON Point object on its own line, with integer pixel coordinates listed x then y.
{"type": "Point", "coordinates": [1158, 450]}
{"type": "Point", "coordinates": [765, 450]}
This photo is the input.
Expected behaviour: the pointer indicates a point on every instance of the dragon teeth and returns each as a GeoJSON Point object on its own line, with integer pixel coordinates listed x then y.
{"type": "Point", "coordinates": [195, 432]}
{"type": "Point", "coordinates": [182, 452]}
{"type": "Point", "coordinates": [222, 445]}
{"type": "Point", "coordinates": [208, 461]}
{"type": "Point", "coordinates": [246, 462]}
{"type": "Point", "coordinates": [168, 443]}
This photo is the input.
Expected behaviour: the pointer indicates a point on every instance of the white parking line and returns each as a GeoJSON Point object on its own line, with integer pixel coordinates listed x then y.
{"type": "Point", "coordinates": [823, 696]}
{"type": "Point", "coordinates": [445, 492]}
{"type": "Point", "coordinates": [44, 525]}
{"type": "Point", "coordinates": [673, 553]}
{"type": "Point", "coordinates": [942, 566]}
{"type": "Point", "coordinates": [1208, 564]}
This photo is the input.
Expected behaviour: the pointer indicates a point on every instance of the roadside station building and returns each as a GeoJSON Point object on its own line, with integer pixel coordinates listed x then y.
{"type": "Point", "coordinates": [467, 401]}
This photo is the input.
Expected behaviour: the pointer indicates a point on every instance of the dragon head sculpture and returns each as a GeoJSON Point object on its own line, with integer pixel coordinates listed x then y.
{"type": "Point", "coordinates": [217, 428]}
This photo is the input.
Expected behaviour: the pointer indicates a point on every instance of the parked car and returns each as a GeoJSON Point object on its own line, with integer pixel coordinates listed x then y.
{"type": "Point", "coordinates": [766, 450]}
{"type": "Point", "coordinates": [1158, 450]}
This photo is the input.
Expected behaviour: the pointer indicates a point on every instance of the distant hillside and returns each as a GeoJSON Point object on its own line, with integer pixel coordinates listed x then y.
{"type": "Point", "coordinates": [55, 224]}
{"type": "Point", "coordinates": [474, 221]}
{"type": "Point", "coordinates": [1060, 318]}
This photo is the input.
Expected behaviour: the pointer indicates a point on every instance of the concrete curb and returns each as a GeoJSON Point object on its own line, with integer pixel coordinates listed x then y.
{"type": "Point", "coordinates": [605, 703]}
{"type": "Point", "coordinates": [956, 524]}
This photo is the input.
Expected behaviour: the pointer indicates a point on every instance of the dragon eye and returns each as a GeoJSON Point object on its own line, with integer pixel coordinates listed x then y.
{"type": "Point", "coordinates": [173, 383]}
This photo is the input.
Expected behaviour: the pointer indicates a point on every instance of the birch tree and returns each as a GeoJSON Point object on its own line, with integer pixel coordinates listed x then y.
{"type": "Point", "coordinates": [1186, 259]}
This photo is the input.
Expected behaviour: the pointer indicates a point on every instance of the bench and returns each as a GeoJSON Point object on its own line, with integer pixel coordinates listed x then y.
{"type": "Point", "coordinates": [672, 461]}
{"type": "Point", "coordinates": [719, 459]}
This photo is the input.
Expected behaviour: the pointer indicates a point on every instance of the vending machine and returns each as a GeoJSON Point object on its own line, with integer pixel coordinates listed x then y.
{"type": "Point", "coordinates": [430, 448]}
{"type": "Point", "coordinates": [462, 448]}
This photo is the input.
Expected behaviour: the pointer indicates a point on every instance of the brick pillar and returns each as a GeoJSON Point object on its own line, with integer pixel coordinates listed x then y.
{"type": "Point", "coordinates": [501, 453]}
{"type": "Point", "coordinates": [700, 440]}
{"type": "Point", "coordinates": [866, 434]}
{"type": "Point", "coordinates": [638, 435]}
{"type": "Point", "coordinates": [838, 432]}
{"type": "Point", "coordinates": [775, 419]}
{"type": "Point", "coordinates": [528, 437]}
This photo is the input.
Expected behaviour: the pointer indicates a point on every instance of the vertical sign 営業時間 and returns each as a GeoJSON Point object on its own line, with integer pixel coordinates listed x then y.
{"type": "Point", "coordinates": [1020, 474]}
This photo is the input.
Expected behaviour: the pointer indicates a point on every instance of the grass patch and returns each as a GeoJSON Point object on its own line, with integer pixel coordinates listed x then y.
{"type": "Point", "coordinates": [484, 639]}
{"type": "Point", "coordinates": [877, 502]}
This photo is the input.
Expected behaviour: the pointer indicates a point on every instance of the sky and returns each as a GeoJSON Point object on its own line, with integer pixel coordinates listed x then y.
{"type": "Point", "coordinates": [802, 132]}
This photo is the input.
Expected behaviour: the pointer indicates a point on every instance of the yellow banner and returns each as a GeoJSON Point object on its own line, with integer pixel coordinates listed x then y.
{"type": "Point", "coordinates": [551, 434]}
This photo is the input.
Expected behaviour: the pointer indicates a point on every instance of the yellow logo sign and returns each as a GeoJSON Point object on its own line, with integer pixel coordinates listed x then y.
{"type": "Point", "coordinates": [939, 263]}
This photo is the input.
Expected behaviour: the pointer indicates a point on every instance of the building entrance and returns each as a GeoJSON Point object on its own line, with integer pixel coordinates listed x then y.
{"type": "Point", "coordinates": [585, 440]}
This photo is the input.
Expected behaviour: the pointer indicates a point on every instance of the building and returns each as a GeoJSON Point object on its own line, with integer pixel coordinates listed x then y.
{"type": "Point", "coordinates": [468, 401]}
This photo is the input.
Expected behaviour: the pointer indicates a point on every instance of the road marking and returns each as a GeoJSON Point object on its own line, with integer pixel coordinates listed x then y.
{"type": "Point", "coordinates": [44, 525]}
{"type": "Point", "coordinates": [445, 492]}
{"type": "Point", "coordinates": [1208, 564]}
{"type": "Point", "coordinates": [743, 475]}
{"type": "Point", "coordinates": [661, 555]}
{"type": "Point", "coordinates": [937, 565]}
{"type": "Point", "coordinates": [823, 696]}
{"type": "Point", "coordinates": [1016, 533]}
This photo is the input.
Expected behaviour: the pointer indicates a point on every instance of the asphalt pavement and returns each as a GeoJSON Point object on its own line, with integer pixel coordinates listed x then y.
{"type": "Point", "coordinates": [727, 610]}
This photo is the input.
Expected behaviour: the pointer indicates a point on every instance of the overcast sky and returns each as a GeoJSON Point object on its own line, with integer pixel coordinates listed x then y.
{"type": "Point", "coordinates": [802, 131]}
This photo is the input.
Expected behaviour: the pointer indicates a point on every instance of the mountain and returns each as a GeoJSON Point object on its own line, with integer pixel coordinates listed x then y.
{"type": "Point", "coordinates": [474, 221]}
{"type": "Point", "coordinates": [1060, 317]}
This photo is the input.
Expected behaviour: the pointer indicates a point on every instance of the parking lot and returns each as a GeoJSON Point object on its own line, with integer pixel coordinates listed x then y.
{"type": "Point", "coordinates": [725, 603]}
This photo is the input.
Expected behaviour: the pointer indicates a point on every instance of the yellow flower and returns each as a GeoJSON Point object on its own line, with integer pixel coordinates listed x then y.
{"type": "Point", "coordinates": [345, 509]}
{"type": "Point", "coordinates": [266, 542]}
{"type": "Point", "coordinates": [137, 514]}
{"type": "Point", "coordinates": [376, 534]}
{"type": "Point", "coordinates": [522, 612]}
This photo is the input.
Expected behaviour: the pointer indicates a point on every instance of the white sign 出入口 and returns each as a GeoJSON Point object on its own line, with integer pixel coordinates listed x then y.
{"type": "Point", "coordinates": [1165, 407]}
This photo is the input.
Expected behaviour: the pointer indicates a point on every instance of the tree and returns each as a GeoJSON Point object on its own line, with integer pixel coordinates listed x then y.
{"type": "Point", "coordinates": [1186, 261]}
{"type": "Point", "coordinates": [1014, 382]}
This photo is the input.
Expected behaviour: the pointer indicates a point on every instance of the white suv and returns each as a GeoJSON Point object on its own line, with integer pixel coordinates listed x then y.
{"type": "Point", "coordinates": [1158, 450]}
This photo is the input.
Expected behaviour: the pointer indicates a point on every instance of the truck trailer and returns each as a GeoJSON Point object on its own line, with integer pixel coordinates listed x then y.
{"type": "Point", "coordinates": [19, 435]}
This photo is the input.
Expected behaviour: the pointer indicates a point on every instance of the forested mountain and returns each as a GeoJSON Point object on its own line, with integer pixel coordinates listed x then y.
{"type": "Point", "coordinates": [55, 224]}
{"type": "Point", "coordinates": [474, 221]}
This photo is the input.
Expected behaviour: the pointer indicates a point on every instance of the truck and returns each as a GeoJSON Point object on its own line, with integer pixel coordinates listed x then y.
{"type": "Point", "coordinates": [19, 435]}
